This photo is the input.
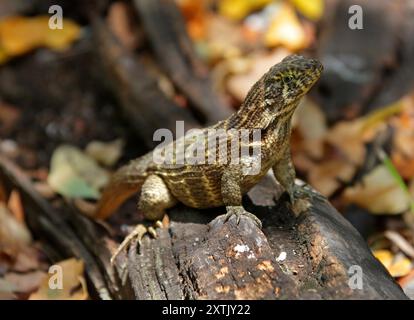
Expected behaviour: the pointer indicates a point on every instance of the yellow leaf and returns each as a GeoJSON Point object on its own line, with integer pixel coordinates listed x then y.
{"type": "Point", "coordinates": [238, 9]}
{"type": "Point", "coordinates": [19, 35]}
{"type": "Point", "coordinates": [397, 266]}
{"type": "Point", "coordinates": [285, 30]}
{"type": "Point", "coordinates": [312, 9]}
{"type": "Point", "coordinates": [384, 256]}
{"type": "Point", "coordinates": [72, 281]}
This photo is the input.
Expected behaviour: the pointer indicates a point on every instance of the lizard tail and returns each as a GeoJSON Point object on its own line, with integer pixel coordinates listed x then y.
{"type": "Point", "coordinates": [126, 182]}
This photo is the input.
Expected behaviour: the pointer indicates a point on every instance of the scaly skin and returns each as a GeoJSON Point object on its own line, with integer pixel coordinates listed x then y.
{"type": "Point", "coordinates": [269, 106]}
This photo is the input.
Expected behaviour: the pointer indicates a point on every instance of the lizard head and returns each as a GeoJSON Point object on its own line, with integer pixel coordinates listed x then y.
{"type": "Point", "coordinates": [288, 81]}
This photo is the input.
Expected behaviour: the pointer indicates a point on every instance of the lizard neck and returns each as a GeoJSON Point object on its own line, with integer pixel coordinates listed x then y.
{"type": "Point", "coordinates": [255, 114]}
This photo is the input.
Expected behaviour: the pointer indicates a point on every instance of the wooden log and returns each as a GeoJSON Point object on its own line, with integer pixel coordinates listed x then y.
{"type": "Point", "coordinates": [200, 256]}
{"type": "Point", "coordinates": [142, 102]}
{"type": "Point", "coordinates": [305, 257]}
{"type": "Point", "coordinates": [166, 31]}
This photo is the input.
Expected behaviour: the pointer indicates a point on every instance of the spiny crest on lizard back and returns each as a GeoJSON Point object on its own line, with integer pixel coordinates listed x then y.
{"type": "Point", "coordinates": [287, 82]}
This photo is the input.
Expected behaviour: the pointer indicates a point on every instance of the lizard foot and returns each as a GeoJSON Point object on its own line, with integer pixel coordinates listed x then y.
{"type": "Point", "coordinates": [239, 211]}
{"type": "Point", "coordinates": [298, 200]}
{"type": "Point", "coordinates": [138, 233]}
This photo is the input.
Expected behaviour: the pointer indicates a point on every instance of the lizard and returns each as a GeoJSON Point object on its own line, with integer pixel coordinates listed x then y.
{"type": "Point", "coordinates": [268, 107]}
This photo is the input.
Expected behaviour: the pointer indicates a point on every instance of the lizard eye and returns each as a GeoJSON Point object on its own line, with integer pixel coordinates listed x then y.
{"type": "Point", "coordinates": [288, 79]}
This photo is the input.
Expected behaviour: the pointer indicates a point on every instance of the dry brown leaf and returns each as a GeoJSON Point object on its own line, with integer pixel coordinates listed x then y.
{"type": "Point", "coordinates": [25, 282]}
{"type": "Point", "coordinates": [196, 16]}
{"type": "Point", "coordinates": [378, 192]}
{"type": "Point", "coordinates": [224, 39]}
{"type": "Point", "coordinates": [13, 234]}
{"type": "Point", "coordinates": [327, 175]}
{"type": "Point", "coordinates": [9, 115]}
{"type": "Point", "coordinates": [403, 144]}
{"type": "Point", "coordinates": [73, 283]}
{"type": "Point", "coordinates": [286, 30]}
{"type": "Point", "coordinates": [347, 137]}
{"type": "Point", "coordinates": [26, 260]}
{"type": "Point", "coordinates": [311, 122]}
{"type": "Point", "coordinates": [15, 206]}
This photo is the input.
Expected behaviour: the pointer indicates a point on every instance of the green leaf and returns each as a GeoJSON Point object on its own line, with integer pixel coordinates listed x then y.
{"type": "Point", "coordinates": [76, 175]}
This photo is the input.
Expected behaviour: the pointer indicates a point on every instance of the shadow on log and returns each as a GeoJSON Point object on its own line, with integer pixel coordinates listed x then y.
{"type": "Point", "coordinates": [201, 257]}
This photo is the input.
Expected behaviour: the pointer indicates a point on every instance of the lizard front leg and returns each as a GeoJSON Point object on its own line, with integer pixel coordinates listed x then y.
{"type": "Point", "coordinates": [154, 199]}
{"type": "Point", "coordinates": [285, 174]}
{"type": "Point", "coordinates": [232, 195]}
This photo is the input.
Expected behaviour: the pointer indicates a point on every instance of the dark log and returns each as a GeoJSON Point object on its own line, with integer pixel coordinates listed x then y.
{"type": "Point", "coordinates": [165, 27]}
{"type": "Point", "coordinates": [143, 103]}
{"type": "Point", "coordinates": [200, 256]}
{"type": "Point", "coordinates": [220, 260]}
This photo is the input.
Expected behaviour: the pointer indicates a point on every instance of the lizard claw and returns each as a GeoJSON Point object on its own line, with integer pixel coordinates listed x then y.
{"type": "Point", "coordinates": [239, 211]}
{"type": "Point", "coordinates": [138, 233]}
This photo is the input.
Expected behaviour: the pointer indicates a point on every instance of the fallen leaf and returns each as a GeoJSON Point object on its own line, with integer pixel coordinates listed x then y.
{"type": "Point", "coordinates": [15, 206]}
{"type": "Point", "coordinates": [238, 9]}
{"type": "Point", "coordinates": [20, 35]}
{"type": "Point", "coordinates": [44, 189]}
{"type": "Point", "coordinates": [311, 122]}
{"type": "Point", "coordinates": [13, 234]}
{"type": "Point", "coordinates": [397, 266]}
{"type": "Point", "coordinates": [224, 39]}
{"type": "Point", "coordinates": [350, 136]}
{"type": "Point", "coordinates": [74, 174]}
{"type": "Point", "coordinates": [379, 192]}
{"type": "Point", "coordinates": [73, 283]}
{"type": "Point", "coordinates": [196, 16]}
{"type": "Point", "coordinates": [106, 153]}
{"type": "Point", "coordinates": [25, 282]}
{"type": "Point", "coordinates": [311, 9]}
{"type": "Point", "coordinates": [26, 260]}
{"type": "Point", "coordinates": [286, 30]}
{"type": "Point", "coordinates": [9, 115]}
{"type": "Point", "coordinates": [327, 175]}
{"type": "Point", "coordinates": [347, 137]}
{"type": "Point", "coordinates": [403, 139]}
{"type": "Point", "coordinates": [7, 289]}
